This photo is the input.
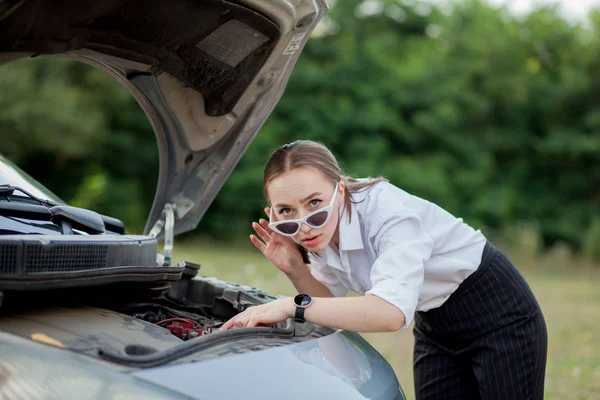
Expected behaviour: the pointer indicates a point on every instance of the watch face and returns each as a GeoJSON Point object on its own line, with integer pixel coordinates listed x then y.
{"type": "Point", "coordinates": [302, 300]}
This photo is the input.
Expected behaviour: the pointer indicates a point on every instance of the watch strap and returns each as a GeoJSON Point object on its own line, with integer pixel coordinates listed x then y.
{"type": "Point", "coordinates": [299, 317]}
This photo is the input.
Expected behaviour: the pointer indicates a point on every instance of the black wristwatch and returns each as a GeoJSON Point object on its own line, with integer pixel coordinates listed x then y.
{"type": "Point", "coordinates": [301, 301]}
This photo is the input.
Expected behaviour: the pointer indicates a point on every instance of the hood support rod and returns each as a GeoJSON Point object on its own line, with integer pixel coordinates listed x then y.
{"type": "Point", "coordinates": [166, 221]}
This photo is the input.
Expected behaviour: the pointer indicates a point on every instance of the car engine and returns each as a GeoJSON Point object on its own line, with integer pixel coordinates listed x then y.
{"type": "Point", "coordinates": [184, 325]}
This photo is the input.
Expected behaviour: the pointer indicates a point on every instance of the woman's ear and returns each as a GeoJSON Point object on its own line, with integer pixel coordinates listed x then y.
{"type": "Point", "coordinates": [341, 191]}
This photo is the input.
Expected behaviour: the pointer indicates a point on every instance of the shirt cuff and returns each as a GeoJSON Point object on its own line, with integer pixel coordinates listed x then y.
{"type": "Point", "coordinates": [398, 294]}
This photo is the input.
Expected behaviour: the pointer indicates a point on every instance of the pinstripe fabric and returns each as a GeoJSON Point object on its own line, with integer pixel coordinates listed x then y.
{"type": "Point", "coordinates": [487, 341]}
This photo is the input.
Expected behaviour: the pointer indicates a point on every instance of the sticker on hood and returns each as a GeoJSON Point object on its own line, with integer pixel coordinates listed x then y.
{"type": "Point", "coordinates": [294, 44]}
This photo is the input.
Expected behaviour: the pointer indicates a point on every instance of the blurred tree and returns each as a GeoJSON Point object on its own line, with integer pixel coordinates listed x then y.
{"type": "Point", "coordinates": [495, 118]}
{"type": "Point", "coordinates": [81, 134]}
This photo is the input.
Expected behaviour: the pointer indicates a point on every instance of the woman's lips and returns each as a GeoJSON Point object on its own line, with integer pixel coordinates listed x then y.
{"type": "Point", "coordinates": [311, 241]}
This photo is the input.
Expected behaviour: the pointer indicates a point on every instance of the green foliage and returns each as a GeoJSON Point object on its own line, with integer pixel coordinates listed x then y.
{"type": "Point", "coordinates": [591, 241]}
{"type": "Point", "coordinates": [81, 134]}
{"type": "Point", "coordinates": [495, 118]}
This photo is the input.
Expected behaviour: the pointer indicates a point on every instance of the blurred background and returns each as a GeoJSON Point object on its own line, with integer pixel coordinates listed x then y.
{"type": "Point", "coordinates": [489, 109]}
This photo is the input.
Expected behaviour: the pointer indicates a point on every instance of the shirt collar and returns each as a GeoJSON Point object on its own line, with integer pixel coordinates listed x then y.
{"type": "Point", "coordinates": [349, 230]}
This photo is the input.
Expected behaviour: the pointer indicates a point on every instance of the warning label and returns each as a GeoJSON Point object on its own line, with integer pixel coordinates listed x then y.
{"type": "Point", "coordinates": [294, 44]}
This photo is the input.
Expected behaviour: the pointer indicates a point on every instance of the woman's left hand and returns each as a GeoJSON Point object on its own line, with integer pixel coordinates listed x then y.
{"type": "Point", "coordinates": [265, 314]}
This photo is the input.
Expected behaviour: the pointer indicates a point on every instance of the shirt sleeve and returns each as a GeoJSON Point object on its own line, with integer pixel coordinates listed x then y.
{"type": "Point", "coordinates": [321, 271]}
{"type": "Point", "coordinates": [397, 274]}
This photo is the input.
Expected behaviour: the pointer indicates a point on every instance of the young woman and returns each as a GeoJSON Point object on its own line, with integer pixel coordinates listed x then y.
{"type": "Point", "coordinates": [479, 331]}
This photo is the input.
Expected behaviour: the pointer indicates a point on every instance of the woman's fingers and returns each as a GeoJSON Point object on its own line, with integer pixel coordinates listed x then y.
{"type": "Point", "coordinates": [238, 321]}
{"type": "Point", "coordinates": [227, 325]}
{"type": "Point", "coordinates": [265, 225]}
{"type": "Point", "coordinates": [261, 315]}
{"type": "Point", "coordinates": [282, 240]}
{"type": "Point", "coordinates": [256, 242]}
{"type": "Point", "coordinates": [254, 321]}
{"type": "Point", "coordinates": [264, 235]}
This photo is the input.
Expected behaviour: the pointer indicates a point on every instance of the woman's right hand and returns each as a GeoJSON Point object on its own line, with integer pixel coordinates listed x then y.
{"type": "Point", "coordinates": [280, 250]}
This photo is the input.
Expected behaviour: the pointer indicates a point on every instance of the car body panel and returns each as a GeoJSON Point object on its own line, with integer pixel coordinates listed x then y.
{"type": "Point", "coordinates": [216, 148]}
{"type": "Point", "coordinates": [339, 366]}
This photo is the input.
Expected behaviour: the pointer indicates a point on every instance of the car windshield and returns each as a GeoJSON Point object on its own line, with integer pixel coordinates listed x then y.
{"type": "Point", "coordinates": [10, 174]}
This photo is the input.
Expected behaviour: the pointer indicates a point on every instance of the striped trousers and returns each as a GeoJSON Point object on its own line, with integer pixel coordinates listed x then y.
{"type": "Point", "coordinates": [487, 341]}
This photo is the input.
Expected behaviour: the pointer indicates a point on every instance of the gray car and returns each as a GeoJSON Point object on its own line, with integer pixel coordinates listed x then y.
{"type": "Point", "coordinates": [88, 311]}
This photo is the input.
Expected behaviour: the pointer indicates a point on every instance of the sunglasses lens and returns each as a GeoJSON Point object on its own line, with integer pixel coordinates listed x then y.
{"type": "Point", "coordinates": [287, 228]}
{"type": "Point", "coordinates": [318, 219]}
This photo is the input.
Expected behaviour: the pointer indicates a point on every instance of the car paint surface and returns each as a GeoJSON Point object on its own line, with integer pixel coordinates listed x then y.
{"type": "Point", "coordinates": [339, 366]}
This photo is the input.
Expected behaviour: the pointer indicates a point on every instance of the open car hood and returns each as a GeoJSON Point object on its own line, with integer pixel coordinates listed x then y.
{"type": "Point", "coordinates": [206, 72]}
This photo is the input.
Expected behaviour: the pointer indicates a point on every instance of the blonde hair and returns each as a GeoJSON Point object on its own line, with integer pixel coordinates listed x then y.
{"type": "Point", "coordinates": [306, 153]}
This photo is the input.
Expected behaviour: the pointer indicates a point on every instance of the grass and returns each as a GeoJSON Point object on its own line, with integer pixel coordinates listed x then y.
{"type": "Point", "coordinates": [565, 287]}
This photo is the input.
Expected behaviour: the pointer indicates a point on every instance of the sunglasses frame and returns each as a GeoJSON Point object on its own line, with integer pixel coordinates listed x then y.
{"type": "Point", "coordinates": [304, 220]}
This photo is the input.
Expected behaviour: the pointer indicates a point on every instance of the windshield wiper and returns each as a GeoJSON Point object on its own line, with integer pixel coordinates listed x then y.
{"type": "Point", "coordinates": [8, 192]}
{"type": "Point", "coordinates": [28, 211]}
{"type": "Point", "coordinates": [66, 217]}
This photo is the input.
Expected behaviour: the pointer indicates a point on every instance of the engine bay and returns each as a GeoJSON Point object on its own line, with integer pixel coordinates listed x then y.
{"type": "Point", "coordinates": [128, 318]}
{"type": "Point", "coordinates": [181, 324]}
{"type": "Point", "coordinates": [145, 324]}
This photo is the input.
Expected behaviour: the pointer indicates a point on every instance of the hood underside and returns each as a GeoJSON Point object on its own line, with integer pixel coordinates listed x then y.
{"type": "Point", "coordinates": [207, 73]}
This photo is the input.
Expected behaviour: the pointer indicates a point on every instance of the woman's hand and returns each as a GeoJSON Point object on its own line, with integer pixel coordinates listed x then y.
{"type": "Point", "coordinates": [265, 314]}
{"type": "Point", "coordinates": [280, 250]}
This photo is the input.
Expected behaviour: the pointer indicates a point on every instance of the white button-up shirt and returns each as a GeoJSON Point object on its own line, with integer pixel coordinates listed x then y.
{"type": "Point", "coordinates": [401, 248]}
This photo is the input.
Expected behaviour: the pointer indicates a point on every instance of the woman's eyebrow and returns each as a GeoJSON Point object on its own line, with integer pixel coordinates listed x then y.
{"type": "Point", "coordinates": [307, 198]}
{"type": "Point", "coordinates": [304, 200]}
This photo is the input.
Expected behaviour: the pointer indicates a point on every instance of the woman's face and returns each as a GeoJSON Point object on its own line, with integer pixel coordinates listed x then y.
{"type": "Point", "coordinates": [300, 191]}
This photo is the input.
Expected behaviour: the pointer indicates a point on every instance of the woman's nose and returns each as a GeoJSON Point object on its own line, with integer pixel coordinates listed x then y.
{"type": "Point", "coordinates": [304, 227]}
